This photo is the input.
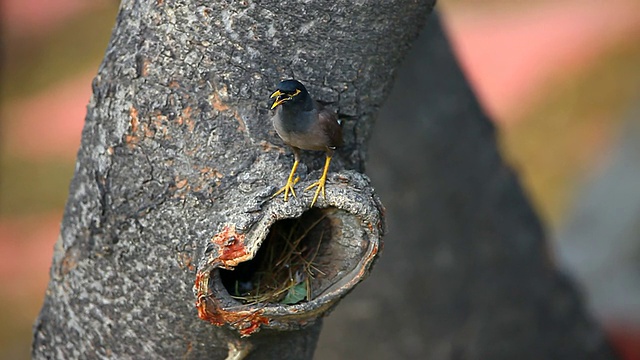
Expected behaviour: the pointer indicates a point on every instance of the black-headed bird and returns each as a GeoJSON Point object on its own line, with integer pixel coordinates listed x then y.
{"type": "Point", "coordinates": [304, 123]}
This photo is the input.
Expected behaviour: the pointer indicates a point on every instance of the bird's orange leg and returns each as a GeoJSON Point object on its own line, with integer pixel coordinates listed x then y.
{"type": "Point", "coordinates": [320, 183]}
{"type": "Point", "coordinates": [290, 181]}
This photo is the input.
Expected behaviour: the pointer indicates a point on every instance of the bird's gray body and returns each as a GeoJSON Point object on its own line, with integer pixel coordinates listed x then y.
{"type": "Point", "coordinates": [303, 123]}
{"type": "Point", "coordinates": [306, 128]}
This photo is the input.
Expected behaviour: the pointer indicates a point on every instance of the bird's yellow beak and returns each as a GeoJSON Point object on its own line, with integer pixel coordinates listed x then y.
{"type": "Point", "coordinates": [279, 100]}
{"type": "Point", "coordinates": [282, 97]}
{"type": "Point", "coordinates": [276, 93]}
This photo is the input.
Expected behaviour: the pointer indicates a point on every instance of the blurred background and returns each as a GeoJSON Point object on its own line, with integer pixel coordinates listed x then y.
{"type": "Point", "coordinates": [561, 79]}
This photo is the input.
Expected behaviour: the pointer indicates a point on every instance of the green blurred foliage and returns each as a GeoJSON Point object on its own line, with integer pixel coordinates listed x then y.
{"type": "Point", "coordinates": [33, 63]}
{"type": "Point", "coordinates": [569, 130]}
{"type": "Point", "coordinates": [33, 186]}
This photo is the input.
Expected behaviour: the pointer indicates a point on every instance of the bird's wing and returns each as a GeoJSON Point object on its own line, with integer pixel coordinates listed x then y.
{"type": "Point", "coordinates": [328, 120]}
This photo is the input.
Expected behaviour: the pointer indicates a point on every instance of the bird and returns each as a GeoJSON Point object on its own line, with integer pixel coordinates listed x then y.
{"type": "Point", "coordinates": [304, 123]}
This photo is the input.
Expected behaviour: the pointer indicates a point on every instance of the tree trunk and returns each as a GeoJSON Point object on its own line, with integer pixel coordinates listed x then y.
{"type": "Point", "coordinates": [466, 272]}
{"type": "Point", "coordinates": [177, 165]}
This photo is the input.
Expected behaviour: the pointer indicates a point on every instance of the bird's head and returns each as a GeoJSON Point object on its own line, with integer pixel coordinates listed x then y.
{"type": "Point", "coordinates": [289, 90]}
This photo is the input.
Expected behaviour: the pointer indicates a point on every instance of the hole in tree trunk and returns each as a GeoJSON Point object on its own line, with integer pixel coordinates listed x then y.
{"type": "Point", "coordinates": [299, 259]}
{"type": "Point", "coordinates": [290, 264]}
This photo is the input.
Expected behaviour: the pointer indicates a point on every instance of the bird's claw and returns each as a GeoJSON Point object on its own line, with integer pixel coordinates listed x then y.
{"type": "Point", "coordinates": [320, 187]}
{"type": "Point", "coordinates": [287, 188]}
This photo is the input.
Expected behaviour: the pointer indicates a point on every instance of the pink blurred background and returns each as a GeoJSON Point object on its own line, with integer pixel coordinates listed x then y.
{"type": "Point", "coordinates": [537, 68]}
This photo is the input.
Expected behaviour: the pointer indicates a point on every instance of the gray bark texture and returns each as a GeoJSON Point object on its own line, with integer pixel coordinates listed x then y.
{"type": "Point", "coordinates": [465, 272]}
{"type": "Point", "coordinates": [178, 148]}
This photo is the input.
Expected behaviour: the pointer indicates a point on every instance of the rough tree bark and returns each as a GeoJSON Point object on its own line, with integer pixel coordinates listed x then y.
{"type": "Point", "coordinates": [178, 149]}
{"type": "Point", "coordinates": [465, 273]}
